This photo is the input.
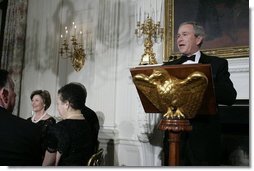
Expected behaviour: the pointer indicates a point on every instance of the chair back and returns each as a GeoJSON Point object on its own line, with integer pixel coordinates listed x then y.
{"type": "Point", "coordinates": [96, 159]}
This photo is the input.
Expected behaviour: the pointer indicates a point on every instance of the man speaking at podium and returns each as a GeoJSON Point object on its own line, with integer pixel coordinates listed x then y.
{"type": "Point", "coordinates": [201, 146]}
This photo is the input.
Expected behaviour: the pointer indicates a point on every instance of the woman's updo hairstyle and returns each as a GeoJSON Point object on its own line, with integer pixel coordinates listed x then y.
{"type": "Point", "coordinates": [74, 93]}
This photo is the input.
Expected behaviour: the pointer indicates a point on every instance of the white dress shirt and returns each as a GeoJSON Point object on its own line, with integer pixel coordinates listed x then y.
{"type": "Point", "coordinates": [197, 57]}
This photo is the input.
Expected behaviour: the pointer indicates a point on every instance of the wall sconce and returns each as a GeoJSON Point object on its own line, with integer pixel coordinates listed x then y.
{"type": "Point", "coordinates": [72, 47]}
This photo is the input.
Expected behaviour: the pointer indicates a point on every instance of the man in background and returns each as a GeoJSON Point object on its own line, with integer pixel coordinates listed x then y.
{"type": "Point", "coordinates": [19, 138]}
{"type": "Point", "coordinates": [92, 119]}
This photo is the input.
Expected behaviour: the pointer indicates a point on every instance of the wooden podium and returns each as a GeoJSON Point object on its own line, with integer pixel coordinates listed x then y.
{"type": "Point", "coordinates": [177, 126]}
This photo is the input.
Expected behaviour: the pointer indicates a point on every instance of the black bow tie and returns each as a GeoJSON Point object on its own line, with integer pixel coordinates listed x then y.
{"type": "Point", "coordinates": [185, 58]}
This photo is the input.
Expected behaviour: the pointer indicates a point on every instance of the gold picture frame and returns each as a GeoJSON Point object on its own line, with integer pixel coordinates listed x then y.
{"type": "Point", "coordinates": [170, 20]}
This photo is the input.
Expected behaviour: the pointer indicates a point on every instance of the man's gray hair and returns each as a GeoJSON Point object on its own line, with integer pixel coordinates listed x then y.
{"type": "Point", "coordinates": [198, 29]}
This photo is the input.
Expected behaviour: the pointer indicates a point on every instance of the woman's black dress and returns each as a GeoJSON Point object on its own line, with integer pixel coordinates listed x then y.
{"type": "Point", "coordinates": [43, 125]}
{"type": "Point", "coordinates": [72, 138]}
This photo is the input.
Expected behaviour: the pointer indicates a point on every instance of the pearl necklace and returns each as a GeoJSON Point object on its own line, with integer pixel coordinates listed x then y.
{"type": "Point", "coordinates": [35, 121]}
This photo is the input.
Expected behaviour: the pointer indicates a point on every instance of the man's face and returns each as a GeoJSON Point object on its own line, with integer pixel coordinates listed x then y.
{"type": "Point", "coordinates": [187, 42]}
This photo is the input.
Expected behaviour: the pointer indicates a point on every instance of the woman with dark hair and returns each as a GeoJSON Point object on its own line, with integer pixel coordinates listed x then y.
{"type": "Point", "coordinates": [69, 141]}
{"type": "Point", "coordinates": [41, 101]}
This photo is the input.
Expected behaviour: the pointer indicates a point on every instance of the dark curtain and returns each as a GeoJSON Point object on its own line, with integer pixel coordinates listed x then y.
{"type": "Point", "coordinates": [14, 43]}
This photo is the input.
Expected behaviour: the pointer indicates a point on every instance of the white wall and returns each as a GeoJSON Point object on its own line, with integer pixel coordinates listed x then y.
{"type": "Point", "coordinates": [126, 131]}
{"type": "Point", "coordinates": [239, 70]}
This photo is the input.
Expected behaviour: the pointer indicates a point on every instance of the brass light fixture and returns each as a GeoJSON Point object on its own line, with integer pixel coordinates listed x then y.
{"type": "Point", "coordinates": [72, 47]}
{"type": "Point", "coordinates": [151, 31]}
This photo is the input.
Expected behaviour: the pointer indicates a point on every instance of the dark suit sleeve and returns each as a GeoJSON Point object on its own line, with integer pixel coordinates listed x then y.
{"type": "Point", "coordinates": [93, 121]}
{"type": "Point", "coordinates": [224, 89]}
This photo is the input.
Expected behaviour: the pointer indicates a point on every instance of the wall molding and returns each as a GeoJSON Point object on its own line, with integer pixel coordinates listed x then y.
{"type": "Point", "coordinates": [237, 65]}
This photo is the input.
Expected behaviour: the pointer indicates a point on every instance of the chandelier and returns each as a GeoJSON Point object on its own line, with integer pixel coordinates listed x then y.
{"type": "Point", "coordinates": [72, 47]}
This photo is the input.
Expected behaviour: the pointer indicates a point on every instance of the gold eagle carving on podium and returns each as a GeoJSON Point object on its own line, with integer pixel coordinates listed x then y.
{"type": "Point", "coordinates": [176, 98]}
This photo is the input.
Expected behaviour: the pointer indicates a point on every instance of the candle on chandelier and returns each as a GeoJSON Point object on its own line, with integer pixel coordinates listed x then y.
{"type": "Point", "coordinates": [61, 40]}
{"type": "Point", "coordinates": [144, 13]}
{"type": "Point", "coordinates": [75, 27]}
{"type": "Point", "coordinates": [161, 11]}
{"type": "Point", "coordinates": [66, 34]}
{"type": "Point", "coordinates": [150, 8]}
{"type": "Point", "coordinates": [81, 37]}
{"type": "Point", "coordinates": [156, 11]}
{"type": "Point", "coordinates": [139, 14]}
{"type": "Point", "coordinates": [136, 13]}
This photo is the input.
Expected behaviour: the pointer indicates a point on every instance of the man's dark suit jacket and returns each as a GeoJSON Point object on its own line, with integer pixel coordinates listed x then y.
{"type": "Point", "coordinates": [20, 143]}
{"type": "Point", "coordinates": [201, 146]}
{"type": "Point", "coordinates": [93, 121]}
